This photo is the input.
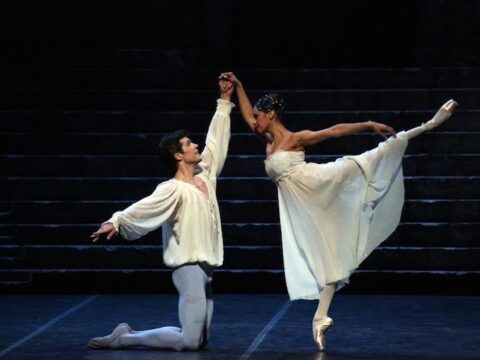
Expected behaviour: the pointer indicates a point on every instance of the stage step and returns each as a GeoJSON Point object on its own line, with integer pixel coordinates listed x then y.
{"type": "Point", "coordinates": [240, 144]}
{"type": "Point", "coordinates": [464, 119]}
{"type": "Point", "coordinates": [228, 188]}
{"type": "Point", "coordinates": [78, 281]}
{"type": "Point", "coordinates": [13, 276]}
{"type": "Point", "coordinates": [38, 212]}
{"type": "Point", "coordinates": [422, 234]}
{"type": "Point", "coordinates": [113, 76]}
{"type": "Point", "coordinates": [180, 100]}
{"type": "Point", "coordinates": [64, 57]}
{"type": "Point", "coordinates": [140, 166]}
{"type": "Point", "coordinates": [129, 257]}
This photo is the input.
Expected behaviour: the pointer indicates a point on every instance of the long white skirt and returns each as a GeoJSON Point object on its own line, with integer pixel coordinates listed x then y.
{"type": "Point", "coordinates": [333, 215]}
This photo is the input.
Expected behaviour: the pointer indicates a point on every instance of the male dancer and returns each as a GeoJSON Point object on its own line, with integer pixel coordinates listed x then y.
{"type": "Point", "coordinates": [187, 207]}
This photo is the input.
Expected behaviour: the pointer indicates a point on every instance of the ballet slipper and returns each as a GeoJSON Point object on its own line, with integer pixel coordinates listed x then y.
{"type": "Point", "coordinates": [110, 341]}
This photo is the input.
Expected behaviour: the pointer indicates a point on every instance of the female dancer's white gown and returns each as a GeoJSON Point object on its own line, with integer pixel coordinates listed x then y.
{"type": "Point", "coordinates": [333, 215]}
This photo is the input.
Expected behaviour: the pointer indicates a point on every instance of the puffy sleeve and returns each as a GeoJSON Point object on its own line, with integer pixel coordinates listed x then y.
{"type": "Point", "coordinates": [149, 213]}
{"type": "Point", "coordinates": [218, 137]}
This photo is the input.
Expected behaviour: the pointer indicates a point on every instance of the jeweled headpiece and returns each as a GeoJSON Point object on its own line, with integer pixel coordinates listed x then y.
{"type": "Point", "coordinates": [270, 102]}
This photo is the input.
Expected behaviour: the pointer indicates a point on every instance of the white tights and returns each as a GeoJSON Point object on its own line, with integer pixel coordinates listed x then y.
{"type": "Point", "coordinates": [326, 297]}
{"type": "Point", "coordinates": [195, 314]}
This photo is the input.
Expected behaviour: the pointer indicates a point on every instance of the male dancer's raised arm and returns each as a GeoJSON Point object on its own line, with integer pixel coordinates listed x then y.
{"type": "Point", "coordinates": [218, 136]}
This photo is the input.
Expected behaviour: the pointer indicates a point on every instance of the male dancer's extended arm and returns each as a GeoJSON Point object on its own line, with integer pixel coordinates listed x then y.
{"type": "Point", "coordinates": [143, 216]}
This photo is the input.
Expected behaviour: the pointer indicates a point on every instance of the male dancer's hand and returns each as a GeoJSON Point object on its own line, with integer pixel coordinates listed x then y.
{"type": "Point", "coordinates": [381, 129]}
{"type": "Point", "coordinates": [105, 230]}
{"type": "Point", "coordinates": [226, 89]}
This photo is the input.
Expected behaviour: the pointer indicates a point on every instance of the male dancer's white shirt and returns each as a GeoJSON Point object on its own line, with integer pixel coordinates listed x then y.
{"type": "Point", "coordinates": [191, 228]}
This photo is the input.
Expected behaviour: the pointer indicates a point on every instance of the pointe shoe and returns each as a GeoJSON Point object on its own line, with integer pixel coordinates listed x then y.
{"type": "Point", "coordinates": [443, 114]}
{"type": "Point", "coordinates": [110, 341]}
{"type": "Point", "coordinates": [320, 327]}
{"type": "Point", "coordinates": [450, 106]}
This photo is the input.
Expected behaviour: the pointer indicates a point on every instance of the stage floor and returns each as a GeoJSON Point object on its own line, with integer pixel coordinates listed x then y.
{"type": "Point", "coordinates": [246, 327]}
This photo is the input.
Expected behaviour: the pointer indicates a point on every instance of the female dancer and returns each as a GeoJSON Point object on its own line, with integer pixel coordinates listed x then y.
{"type": "Point", "coordinates": [331, 215]}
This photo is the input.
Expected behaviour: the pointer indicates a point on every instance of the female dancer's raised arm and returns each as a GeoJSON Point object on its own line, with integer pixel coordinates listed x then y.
{"type": "Point", "coordinates": [246, 107]}
{"type": "Point", "coordinates": [305, 137]}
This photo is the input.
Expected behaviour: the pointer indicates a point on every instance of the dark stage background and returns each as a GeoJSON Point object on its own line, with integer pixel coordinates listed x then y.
{"type": "Point", "coordinates": [257, 34]}
{"type": "Point", "coordinates": [89, 87]}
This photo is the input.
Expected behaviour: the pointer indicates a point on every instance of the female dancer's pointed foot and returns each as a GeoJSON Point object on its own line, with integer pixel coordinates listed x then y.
{"type": "Point", "coordinates": [320, 327]}
{"type": "Point", "coordinates": [110, 341]}
{"type": "Point", "coordinates": [443, 114]}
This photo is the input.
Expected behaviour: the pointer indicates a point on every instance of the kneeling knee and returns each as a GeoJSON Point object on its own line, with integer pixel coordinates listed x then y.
{"type": "Point", "coordinates": [193, 343]}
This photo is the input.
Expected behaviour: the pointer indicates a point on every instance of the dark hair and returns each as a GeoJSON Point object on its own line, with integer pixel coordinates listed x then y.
{"type": "Point", "coordinates": [169, 146]}
{"type": "Point", "coordinates": [271, 102]}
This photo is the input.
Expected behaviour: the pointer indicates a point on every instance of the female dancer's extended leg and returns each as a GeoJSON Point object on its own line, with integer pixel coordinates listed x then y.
{"type": "Point", "coordinates": [443, 114]}
{"type": "Point", "coordinates": [321, 321]}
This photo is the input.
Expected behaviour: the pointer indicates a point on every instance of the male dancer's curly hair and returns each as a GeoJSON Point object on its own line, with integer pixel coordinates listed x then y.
{"type": "Point", "coordinates": [168, 146]}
